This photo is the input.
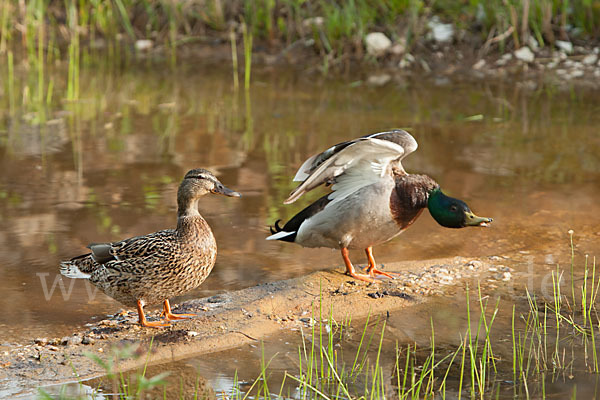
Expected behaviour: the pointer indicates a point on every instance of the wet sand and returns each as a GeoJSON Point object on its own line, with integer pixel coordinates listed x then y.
{"type": "Point", "coordinates": [232, 319]}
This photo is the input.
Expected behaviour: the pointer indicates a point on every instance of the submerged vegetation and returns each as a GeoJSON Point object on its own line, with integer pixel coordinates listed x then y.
{"type": "Point", "coordinates": [122, 28]}
{"type": "Point", "coordinates": [552, 338]}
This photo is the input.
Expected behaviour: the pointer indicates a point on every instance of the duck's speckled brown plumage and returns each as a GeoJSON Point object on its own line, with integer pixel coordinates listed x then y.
{"type": "Point", "coordinates": [154, 267]}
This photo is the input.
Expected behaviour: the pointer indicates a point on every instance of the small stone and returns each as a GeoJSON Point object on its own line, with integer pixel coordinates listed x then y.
{"type": "Point", "coordinates": [565, 46]}
{"type": "Point", "coordinates": [533, 44]}
{"type": "Point", "coordinates": [70, 340]}
{"type": "Point", "coordinates": [576, 73]}
{"type": "Point", "coordinates": [377, 44]}
{"type": "Point", "coordinates": [378, 80]}
{"type": "Point", "coordinates": [41, 341]}
{"type": "Point", "coordinates": [314, 22]}
{"type": "Point", "coordinates": [399, 47]}
{"type": "Point", "coordinates": [493, 269]}
{"type": "Point", "coordinates": [108, 322]}
{"type": "Point", "coordinates": [192, 333]}
{"type": "Point", "coordinates": [525, 54]}
{"type": "Point", "coordinates": [590, 59]}
{"type": "Point", "coordinates": [143, 44]}
{"type": "Point", "coordinates": [506, 276]}
{"type": "Point", "coordinates": [87, 340]}
{"type": "Point", "coordinates": [479, 64]}
{"type": "Point", "coordinates": [406, 61]}
{"type": "Point", "coordinates": [52, 348]}
{"type": "Point", "coordinates": [440, 32]}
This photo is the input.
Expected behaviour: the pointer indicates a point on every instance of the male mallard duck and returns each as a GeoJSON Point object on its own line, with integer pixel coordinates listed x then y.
{"type": "Point", "coordinates": [373, 198]}
{"type": "Point", "coordinates": [150, 269]}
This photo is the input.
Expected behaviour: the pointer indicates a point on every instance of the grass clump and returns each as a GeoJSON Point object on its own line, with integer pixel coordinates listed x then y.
{"type": "Point", "coordinates": [335, 28]}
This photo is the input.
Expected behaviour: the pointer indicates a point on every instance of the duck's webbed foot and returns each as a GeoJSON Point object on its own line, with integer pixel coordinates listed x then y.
{"type": "Point", "coordinates": [144, 322]}
{"type": "Point", "coordinates": [169, 316]}
{"type": "Point", "coordinates": [350, 268]}
{"type": "Point", "coordinates": [372, 267]}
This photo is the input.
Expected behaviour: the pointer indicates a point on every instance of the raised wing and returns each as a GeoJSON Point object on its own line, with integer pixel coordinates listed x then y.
{"type": "Point", "coordinates": [353, 164]}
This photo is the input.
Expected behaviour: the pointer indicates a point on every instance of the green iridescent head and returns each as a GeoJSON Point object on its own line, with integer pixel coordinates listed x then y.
{"type": "Point", "coordinates": [452, 213]}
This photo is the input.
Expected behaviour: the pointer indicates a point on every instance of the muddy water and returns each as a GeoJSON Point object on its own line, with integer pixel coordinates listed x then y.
{"type": "Point", "coordinates": [107, 166]}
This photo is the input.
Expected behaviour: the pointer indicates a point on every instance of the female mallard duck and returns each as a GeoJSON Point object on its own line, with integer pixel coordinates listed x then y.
{"type": "Point", "coordinates": [150, 269]}
{"type": "Point", "coordinates": [373, 198]}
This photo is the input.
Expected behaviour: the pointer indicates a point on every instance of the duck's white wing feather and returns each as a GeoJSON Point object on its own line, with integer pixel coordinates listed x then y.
{"type": "Point", "coordinates": [354, 164]}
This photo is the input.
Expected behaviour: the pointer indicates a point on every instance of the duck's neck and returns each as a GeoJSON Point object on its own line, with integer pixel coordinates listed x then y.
{"type": "Point", "coordinates": [409, 197]}
{"type": "Point", "coordinates": [189, 220]}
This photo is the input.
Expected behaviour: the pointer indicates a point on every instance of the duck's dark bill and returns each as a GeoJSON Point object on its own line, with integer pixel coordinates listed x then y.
{"type": "Point", "coordinates": [226, 191]}
{"type": "Point", "coordinates": [474, 220]}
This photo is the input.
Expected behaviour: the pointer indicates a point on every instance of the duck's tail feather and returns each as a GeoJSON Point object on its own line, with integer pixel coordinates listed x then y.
{"type": "Point", "coordinates": [78, 268]}
{"type": "Point", "coordinates": [279, 234]}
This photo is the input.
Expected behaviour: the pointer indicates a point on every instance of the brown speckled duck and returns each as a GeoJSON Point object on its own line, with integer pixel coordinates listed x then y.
{"type": "Point", "coordinates": [372, 199]}
{"type": "Point", "coordinates": [149, 269]}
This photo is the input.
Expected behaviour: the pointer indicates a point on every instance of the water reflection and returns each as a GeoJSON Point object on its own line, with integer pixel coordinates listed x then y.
{"type": "Point", "coordinates": [107, 166]}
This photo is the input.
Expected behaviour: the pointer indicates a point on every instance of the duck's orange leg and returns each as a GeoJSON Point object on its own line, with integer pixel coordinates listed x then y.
{"type": "Point", "coordinates": [372, 268]}
{"type": "Point", "coordinates": [169, 316]}
{"type": "Point", "coordinates": [144, 322]}
{"type": "Point", "coordinates": [350, 268]}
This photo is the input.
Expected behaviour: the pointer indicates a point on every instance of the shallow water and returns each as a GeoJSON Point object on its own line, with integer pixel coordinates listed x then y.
{"type": "Point", "coordinates": [107, 166]}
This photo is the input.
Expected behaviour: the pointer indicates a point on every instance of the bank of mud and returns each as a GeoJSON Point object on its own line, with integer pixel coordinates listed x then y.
{"type": "Point", "coordinates": [232, 319]}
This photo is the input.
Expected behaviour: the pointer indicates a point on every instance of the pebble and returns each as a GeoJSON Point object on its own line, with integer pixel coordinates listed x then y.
{"type": "Point", "coordinates": [377, 43]}
{"type": "Point", "coordinates": [41, 341]}
{"type": "Point", "coordinates": [378, 80]}
{"type": "Point", "coordinates": [525, 54]}
{"type": "Point", "coordinates": [143, 44]}
{"type": "Point", "coordinates": [108, 322]}
{"type": "Point", "coordinates": [70, 340]}
{"type": "Point", "coordinates": [565, 46]}
{"type": "Point", "coordinates": [506, 276]}
{"type": "Point", "coordinates": [440, 32]}
{"type": "Point", "coordinates": [577, 73]}
{"type": "Point", "coordinates": [87, 340]}
{"type": "Point", "coordinates": [590, 59]}
{"type": "Point", "coordinates": [479, 64]}
{"type": "Point", "coordinates": [192, 333]}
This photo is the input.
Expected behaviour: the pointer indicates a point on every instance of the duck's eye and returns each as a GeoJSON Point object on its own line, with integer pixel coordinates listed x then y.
{"type": "Point", "coordinates": [453, 208]}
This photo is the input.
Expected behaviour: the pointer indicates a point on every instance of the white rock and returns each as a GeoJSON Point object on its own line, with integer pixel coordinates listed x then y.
{"type": "Point", "coordinates": [525, 54]}
{"type": "Point", "coordinates": [590, 59]}
{"type": "Point", "coordinates": [597, 73]}
{"type": "Point", "coordinates": [479, 64]}
{"type": "Point", "coordinates": [406, 61]}
{"type": "Point", "coordinates": [377, 43]}
{"type": "Point", "coordinates": [378, 80]}
{"type": "Point", "coordinates": [565, 46]}
{"type": "Point", "coordinates": [399, 47]}
{"type": "Point", "coordinates": [314, 22]}
{"type": "Point", "coordinates": [577, 73]}
{"type": "Point", "coordinates": [440, 32]}
{"type": "Point", "coordinates": [531, 42]}
{"type": "Point", "coordinates": [143, 44]}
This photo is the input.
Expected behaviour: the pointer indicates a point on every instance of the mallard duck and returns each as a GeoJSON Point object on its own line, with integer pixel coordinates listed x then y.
{"type": "Point", "coordinates": [372, 199]}
{"type": "Point", "coordinates": [149, 269]}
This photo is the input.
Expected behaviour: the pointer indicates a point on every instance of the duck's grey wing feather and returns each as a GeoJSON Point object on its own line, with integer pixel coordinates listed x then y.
{"type": "Point", "coordinates": [135, 247]}
{"type": "Point", "coordinates": [367, 157]}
